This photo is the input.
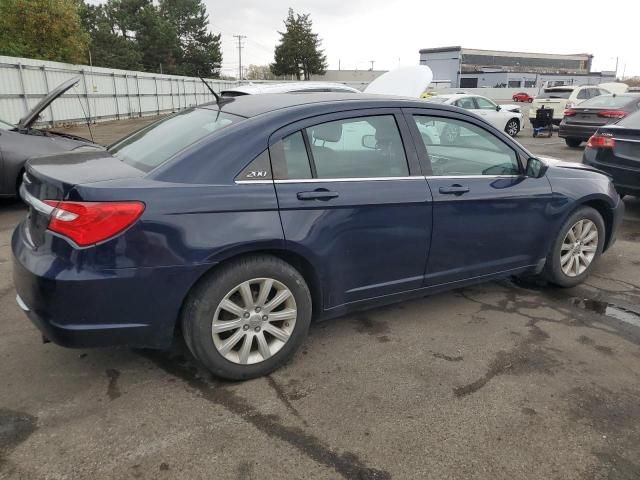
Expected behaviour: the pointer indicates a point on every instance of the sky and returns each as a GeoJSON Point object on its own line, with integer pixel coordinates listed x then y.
{"type": "Point", "coordinates": [355, 32]}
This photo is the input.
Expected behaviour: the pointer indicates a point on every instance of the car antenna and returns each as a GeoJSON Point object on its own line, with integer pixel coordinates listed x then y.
{"type": "Point", "coordinates": [219, 100]}
{"type": "Point", "coordinates": [85, 114]}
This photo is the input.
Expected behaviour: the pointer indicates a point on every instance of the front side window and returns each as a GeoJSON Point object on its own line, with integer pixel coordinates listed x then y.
{"type": "Point", "coordinates": [458, 148]}
{"type": "Point", "coordinates": [485, 104]}
{"type": "Point", "coordinates": [362, 147]}
{"type": "Point", "coordinates": [156, 144]}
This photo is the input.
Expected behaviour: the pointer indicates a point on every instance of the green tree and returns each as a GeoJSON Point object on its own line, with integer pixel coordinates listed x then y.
{"type": "Point", "coordinates": [298, 52]}
{"type": "Point", "coordinates": [42, 29]}
{"type": "Point", "coordinates": [200, 49]}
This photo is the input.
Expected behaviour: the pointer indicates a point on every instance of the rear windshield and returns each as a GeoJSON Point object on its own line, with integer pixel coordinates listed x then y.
{"type": "Point", "coordinates": [632, 121]}
{"type": "Point", "coordinates": [152, 146]}
{"type": "Point", "coordinates": [608, 101]}
{"type": "Point", "coordinates": [555, 94]}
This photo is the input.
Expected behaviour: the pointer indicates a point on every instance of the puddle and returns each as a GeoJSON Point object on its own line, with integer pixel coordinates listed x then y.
{"type": "Point", "coordinates": [608, 309]}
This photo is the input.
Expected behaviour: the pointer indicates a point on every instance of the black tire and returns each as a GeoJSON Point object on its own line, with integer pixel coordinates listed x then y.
{"type": "Point", "coordinates": [623, 193]}
{"type": "Point", "coordinates": [201, 304]}
{"type": "Point", "coordinates": [512, 127]}
{"type": "Point", "coordinates": [553, 269]}
{"type": "Point", "coordinates": [573, 142]}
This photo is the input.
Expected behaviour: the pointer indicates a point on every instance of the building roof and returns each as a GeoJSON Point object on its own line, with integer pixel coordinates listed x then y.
{"type": "Point", "coordinates": [479, 51]}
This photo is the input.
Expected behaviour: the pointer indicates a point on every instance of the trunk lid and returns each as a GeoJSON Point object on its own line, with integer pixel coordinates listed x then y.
{"type": "Point", "coordinates": [29, 119]}
{"type": "Point", "coordinates": [54, 177]}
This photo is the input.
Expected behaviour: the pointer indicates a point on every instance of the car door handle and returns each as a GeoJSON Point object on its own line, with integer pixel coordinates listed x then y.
{"type": "Point", "coordinates": [454, 190]}
{"type": "Point", "coordinates": [320, 194]}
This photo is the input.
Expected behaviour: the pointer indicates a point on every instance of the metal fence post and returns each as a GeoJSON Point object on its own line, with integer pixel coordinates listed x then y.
{"type": "Point", "coordinates": [46, 85]}
{"type": "Point", "coordinates": [24, 92]}
{"type": "Point", "coordinates": [184, 90]}
{"type": "Point", "coordinates": [86, 93]}
{"type": "Point", "coordinates": [115, 95]}
{"type": "Point", "coordinates": [173, 108]}
{"type": "Point", "coordinates": [155, 81]}
{"type": "Point", "coordinates": [126, 81]}
{"type": "Point", "coordinates": [139, 101]}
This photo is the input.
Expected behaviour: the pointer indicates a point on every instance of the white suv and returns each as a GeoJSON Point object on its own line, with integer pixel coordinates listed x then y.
{"type": "Point", "coordinates": [561, 98]}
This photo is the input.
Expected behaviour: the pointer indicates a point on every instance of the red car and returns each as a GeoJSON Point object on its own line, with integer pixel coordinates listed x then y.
{"type": "Point", "coordinates": [522, 97]}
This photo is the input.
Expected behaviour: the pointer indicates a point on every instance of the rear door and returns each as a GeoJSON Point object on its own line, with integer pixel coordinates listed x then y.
{"type": "Point", "coordinates": [353, 200]}
{"type": "Point", "coordinates": [488, 217]}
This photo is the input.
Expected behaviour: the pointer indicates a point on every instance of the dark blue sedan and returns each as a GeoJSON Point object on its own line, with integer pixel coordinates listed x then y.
{"type": "Point", "coordinates": [239, 222]}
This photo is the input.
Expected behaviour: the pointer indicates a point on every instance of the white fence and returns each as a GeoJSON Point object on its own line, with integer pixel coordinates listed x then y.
{"type": "Point", "coordinates": [101, 94]}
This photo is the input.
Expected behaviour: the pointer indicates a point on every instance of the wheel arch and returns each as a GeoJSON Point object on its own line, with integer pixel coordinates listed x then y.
{"type": "Point", "coordinates": [295, 259]}
{"type": "Point", "coordinates": [602, 207]}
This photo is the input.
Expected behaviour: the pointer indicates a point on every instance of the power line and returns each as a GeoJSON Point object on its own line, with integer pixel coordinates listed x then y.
{"type": "Point", "coordinates": [240, 38]}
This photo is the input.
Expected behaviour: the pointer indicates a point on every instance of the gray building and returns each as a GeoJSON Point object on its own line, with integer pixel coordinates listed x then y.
{"type": "Point", "coordinates": [471, 68]}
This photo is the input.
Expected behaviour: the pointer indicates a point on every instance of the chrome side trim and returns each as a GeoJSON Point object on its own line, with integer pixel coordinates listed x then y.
{"type": "Point", "coordinates": [354, 179]}
{"type": "Point", "coordinates": [21, 304]}
{"type": "Point", "coordinates": [370, 179]}
{"type": "Point", "coordinates": [36, 203]}
{"type": "Point", "coordinates": [626, 140]}
{"type": "Point", "coordinates": [244, 182]}
{"type": "Point", "coordinates": [471, 176]}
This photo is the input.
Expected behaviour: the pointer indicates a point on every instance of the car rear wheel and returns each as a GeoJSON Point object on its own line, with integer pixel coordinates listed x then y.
{"type": "Point", "coordinates": [248, 318]}
{"type": "Point", "coordinates": [512, 127]}
{"type": "Point", "coordinates": [577, 247]}
{"type": "Point", "coordinates": [530, 100]}
{"type": "Point", "coordinates": [573, 142]}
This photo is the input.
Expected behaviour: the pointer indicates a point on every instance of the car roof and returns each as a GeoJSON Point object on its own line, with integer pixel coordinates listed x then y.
{"type": "Point", "coordinates": [253, 105]}
{"type": "Point", "coordinates": [286, 87]}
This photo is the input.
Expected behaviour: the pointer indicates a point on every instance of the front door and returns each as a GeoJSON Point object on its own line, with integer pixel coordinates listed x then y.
{"type": "Point", "coordinates": [488, 217]}
{"type": "Point", "coordinates": [353, 201]}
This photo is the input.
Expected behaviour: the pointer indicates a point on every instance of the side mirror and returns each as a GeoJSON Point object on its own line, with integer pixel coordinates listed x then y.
{"type": "Point", "coordinates": [498, 108]}
{"type": "Point", "coordinates": [369, 141]}
{"type": "Point", "coordinates": [536, 168]}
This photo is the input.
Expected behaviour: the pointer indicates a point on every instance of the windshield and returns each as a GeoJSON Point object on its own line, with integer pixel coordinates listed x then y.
{"type": "Point", "coordinates": [555, 94]}
{"type": "Point", "coordinates": [6, 125]}
{"type": "Point", "coordinates": [152, 146]}
{"type": "Point", "coordinates": [608, 101]}
{"type": "Point", "coordinates": [632, 121]}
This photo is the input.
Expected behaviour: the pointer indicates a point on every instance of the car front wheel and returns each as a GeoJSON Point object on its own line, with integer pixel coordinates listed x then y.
{"type": "Point", "coordinates": [576, 248]}
{"type": "Point", "coordinates": [248, 318]}
{"type": "Point", "coordinates": [573, 142]}
{"type": "Point", "coordinates": [512, 127]}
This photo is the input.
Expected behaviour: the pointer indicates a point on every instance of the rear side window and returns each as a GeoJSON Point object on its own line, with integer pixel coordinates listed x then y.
{"type": "Point", "coordinates": [485, 104]}
{"type": "Point", "coordinates": [362, 147]}
{"type": "Point", "coordinates": [154, 145]}
{"type": "Point", "coordinates": [555, 94]}
{"type": "Point", "coordinates": [295, 156]}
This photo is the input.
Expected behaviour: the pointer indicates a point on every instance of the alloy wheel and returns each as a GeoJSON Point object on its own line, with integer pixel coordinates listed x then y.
{"type": "Point", "coordinates": [254, 321]}
{"type": "Point", "coordinates": [579, 248]}
{"type": "Point", "coordinates": [512, 128]}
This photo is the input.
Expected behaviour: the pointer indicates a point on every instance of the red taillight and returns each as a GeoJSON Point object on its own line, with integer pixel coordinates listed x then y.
{"type": "Point", "coordinates": [87, 223]}
{"type": "Point", "coordinates": [612, 114]}
{"type": "Point", "coordinates": [598, 141]}
{"type": "Point", "coordinates": [569, 112]}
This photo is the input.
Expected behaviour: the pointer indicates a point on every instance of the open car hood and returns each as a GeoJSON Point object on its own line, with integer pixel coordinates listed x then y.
{"type": "Point", "coordinates": [410, 81]}
{"type": "Point", "coordinates": [27, 121]}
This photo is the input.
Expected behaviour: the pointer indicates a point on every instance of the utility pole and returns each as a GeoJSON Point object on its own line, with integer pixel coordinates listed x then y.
{"type": "Point", "coordinates": [338, 64]}
{"type": "Point", "coordinates": [372, 62]}
{"type": "Point", "coordinates": [240, 38]}
{"type": "Point", "coordinates": [616, 68]}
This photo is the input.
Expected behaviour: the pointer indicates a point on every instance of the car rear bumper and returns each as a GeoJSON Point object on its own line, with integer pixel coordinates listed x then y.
{"type": "Point", "coordinates": [77, 307]}
{"type": "Point", "coordinates": [576, 131]}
